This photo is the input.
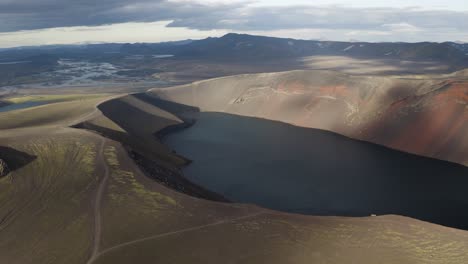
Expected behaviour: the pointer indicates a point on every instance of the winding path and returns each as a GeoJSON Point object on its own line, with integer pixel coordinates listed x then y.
{"type": "Point", "coordinates": [98, 203]}
{"type": "Point", "coordinates": [171, 233]}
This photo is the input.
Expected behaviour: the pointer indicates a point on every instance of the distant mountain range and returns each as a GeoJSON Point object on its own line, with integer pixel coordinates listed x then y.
{"type": "Point", "coordinates": [247, 47]}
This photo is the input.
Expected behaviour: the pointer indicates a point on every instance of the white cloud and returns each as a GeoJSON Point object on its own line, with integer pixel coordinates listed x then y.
{"type": "Point", "coordinates": [124, 32]}
{"type": "Point", "coordinates": [401, 27]}
{"type": "Point", "coordinates": [194, 19]}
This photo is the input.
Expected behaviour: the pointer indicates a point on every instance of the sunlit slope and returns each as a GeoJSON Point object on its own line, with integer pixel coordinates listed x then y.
{"type": "Point", "coordinates": [279, 238]}
{"type": "Point", "coordinates": [47, 217]}
{"type": "Point", "coordinates": [54, 114]}
{"type": "Point", "coordinates": [51, 98]}
{"type": "Point", "coordinates": [45, 205]}
{"type": "Point", "coordinates": [426, 115]}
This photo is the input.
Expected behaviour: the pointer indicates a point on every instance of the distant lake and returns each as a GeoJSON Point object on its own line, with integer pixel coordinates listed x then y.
{"type": "Point", "coordinates": [311, 171]}
{"type": "Point", "coordinates": [157, 56]}
{"type": "Point", "coordinates": [163, 56]}
{"type": "Point", "coordinates": [21, 106]}
{"type": "Point", "coordinates": [13, 62]}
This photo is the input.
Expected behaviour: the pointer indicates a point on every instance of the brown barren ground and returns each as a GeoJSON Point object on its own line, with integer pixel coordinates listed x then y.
{"type": "Point", "coordinates": [47, 212]}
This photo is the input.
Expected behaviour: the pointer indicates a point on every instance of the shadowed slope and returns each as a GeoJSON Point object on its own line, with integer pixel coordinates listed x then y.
{"type": "Point", "coordinates": [137, 123]}
{"type": "Point", "coordinates": [14, 159]}
{"type": "Point", "coordinates": [141, 121]}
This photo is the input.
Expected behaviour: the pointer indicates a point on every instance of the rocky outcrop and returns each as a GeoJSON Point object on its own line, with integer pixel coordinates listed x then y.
{"type": "Point", "coordinates": [4, 170]}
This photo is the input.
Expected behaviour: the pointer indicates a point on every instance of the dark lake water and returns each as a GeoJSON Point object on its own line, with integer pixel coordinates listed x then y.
{"type": "Point", "coordinates": [21, 106]}
{"type": "Point", "coordinates": [310, 171]}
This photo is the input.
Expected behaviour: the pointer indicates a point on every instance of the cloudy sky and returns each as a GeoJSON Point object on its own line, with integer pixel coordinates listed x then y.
{"type": "Point", "coordinates": [38, 22]}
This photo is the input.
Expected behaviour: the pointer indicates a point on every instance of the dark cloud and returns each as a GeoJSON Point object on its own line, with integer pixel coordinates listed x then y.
{"type": "Point", "coordinates": [38, 14]}
{"type": "Point", "coordinates": [33, 14]}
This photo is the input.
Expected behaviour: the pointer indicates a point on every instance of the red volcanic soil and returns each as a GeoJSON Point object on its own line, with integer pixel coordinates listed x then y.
{"type": "Point", "coordinates": [294, 87]}
{"type": "Point", "coordinates": [434, 124]}
{"type": "Point", "coordinates": [341, 91]}
{"type": "Point", "coordinates": [427, 116]}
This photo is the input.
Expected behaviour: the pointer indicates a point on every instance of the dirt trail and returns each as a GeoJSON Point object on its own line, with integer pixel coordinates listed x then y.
{"type": "Point", "coordinates": [98, 202]}
{"type": "Point", "coordinates": [172, 233]}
